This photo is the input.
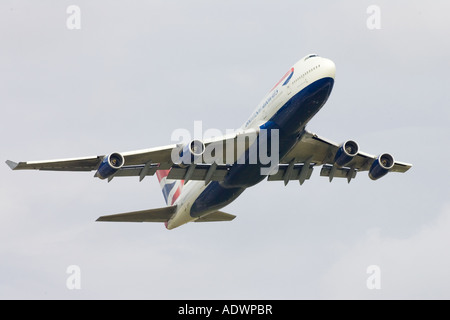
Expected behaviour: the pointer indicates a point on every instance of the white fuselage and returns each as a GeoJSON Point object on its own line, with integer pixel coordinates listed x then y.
{"type": "Point", "coordinates": [305, 72]}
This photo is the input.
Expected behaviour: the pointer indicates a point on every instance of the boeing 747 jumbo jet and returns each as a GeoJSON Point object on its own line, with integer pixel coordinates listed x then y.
{"type": "Point", "coordinates": [198, 178]}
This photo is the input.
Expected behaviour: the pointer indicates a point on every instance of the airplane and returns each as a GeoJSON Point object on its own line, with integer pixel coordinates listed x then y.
{"type": "Point", "coordinates": [196, 188]}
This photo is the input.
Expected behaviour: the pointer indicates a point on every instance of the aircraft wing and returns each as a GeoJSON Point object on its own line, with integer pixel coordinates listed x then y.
{"type": "Point", "coordinates": [74, 164]}
{"type": "Point", "coordinates": [162, 215]}
{"type": "Point", "coordinates": [155, 155]}
{"type": "Point", "coordinates": [146, 162]}
{"type": "Point", "coordinates": [312, 150]}
{"type": "Point", "coordinates": [152, 215]}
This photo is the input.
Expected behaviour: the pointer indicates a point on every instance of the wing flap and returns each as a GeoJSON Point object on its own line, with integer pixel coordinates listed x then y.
{"type": "Point", "coordinates": [201, 172]}
{"type": "Point", "coordinates": [285, 174]}
{"type": "Point", "coordinates": [133, 171]}
{"type": "Point", "coordinates": [334, 172]}
{"type": "Point", "coordinates": [152, 215]}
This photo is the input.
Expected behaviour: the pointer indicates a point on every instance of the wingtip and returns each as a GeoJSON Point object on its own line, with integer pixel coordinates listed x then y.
{"type": "Point", "coordinates": [13, 165]}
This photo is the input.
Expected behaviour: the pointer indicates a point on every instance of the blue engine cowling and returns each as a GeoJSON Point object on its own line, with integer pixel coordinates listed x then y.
{"type": "Point", "coordinates": [110, 165]}
{"type": "Point", "coordinates": [191, 152]}
{"type": "Point", "coordinates": [346, 152]}
{"type": "Point", "coordinates": [381, 166]}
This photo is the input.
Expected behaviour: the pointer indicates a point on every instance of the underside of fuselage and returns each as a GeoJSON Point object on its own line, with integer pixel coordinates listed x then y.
{"type": "Point", "coordinates": [290, 120]}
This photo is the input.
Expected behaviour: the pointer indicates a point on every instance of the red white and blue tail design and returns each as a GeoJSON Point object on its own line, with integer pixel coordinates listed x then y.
{"type": "Point", "coordinates": [171, 188]}
{"type": "Point", "coordinates": [286, 78]}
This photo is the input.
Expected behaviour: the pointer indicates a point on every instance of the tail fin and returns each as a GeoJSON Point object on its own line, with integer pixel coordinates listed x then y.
{"type": "Point", "coordinates": [171, 188]}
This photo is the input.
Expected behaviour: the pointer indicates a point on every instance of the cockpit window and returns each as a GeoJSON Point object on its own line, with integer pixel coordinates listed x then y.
{"type": "Point", "coordinates": [311, 56]}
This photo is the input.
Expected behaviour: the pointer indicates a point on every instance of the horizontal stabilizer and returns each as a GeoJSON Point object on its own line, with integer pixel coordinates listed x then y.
{"type": "Point", "coordinates": [152, 215]}
{"type": "Point", "coordinates": [216, 216]}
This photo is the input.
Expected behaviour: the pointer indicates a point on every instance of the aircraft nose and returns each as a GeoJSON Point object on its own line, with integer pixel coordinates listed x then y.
{"type": "Point", "coordinates": [329, 68]}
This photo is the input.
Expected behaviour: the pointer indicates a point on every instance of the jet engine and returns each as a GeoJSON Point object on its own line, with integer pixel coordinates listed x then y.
{"type": "Point", "coordinates": [346, 152]}
{"type": "Point", "coordinates": [110, 165]}
{"type": "Point", "coordinates": [381, 166]}
{"type": "Point", "coordinates": [191, 152]}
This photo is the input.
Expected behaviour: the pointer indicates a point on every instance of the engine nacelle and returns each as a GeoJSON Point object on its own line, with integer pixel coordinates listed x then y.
{"type": "Point", "coordinates": [381, 166]}
{"type": "Point", "coordinates": [191, 152]}
{"type": "Point", "coordinates": [110, 165]}
{"type": "Point", "coordinates": [346, 152]}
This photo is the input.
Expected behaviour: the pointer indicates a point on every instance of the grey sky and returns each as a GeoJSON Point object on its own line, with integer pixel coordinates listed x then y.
{"type": "Point", "coordinates": [138, 70]}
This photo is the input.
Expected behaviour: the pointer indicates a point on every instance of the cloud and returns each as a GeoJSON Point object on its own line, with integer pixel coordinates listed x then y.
{"type": "Point", "coordinates": [415, 267]}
